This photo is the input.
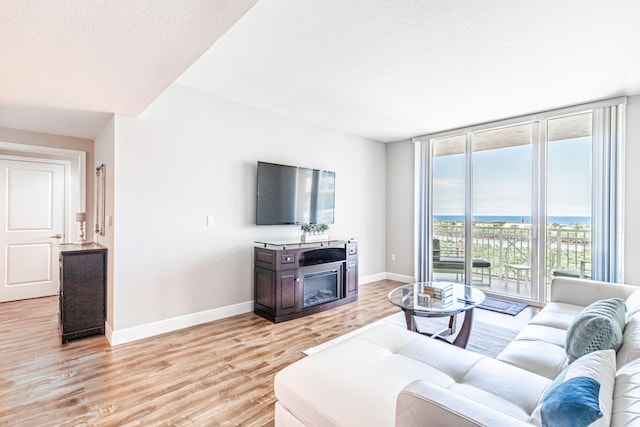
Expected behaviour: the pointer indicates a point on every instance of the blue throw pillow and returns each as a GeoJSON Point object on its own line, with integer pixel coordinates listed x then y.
{"type": "Point", "coordinates": [582, 395]}
{"type": "Point", "coordinates": [574, 403]}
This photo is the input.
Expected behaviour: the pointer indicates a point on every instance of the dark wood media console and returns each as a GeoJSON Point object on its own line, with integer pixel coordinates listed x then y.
{"type": "Point", "coordinates": [295, 280]}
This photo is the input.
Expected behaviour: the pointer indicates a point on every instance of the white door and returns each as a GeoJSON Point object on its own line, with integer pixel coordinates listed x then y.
{"type": "Point", "coordinates": [32, 200]}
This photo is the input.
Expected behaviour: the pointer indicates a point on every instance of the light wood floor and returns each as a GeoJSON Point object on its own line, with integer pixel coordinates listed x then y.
{"type": "Point", "coordinates": [217, 374]}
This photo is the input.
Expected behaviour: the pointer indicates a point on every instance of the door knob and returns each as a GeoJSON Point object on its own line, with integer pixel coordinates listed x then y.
{"type": "Point", "coordinates": [57, 236]}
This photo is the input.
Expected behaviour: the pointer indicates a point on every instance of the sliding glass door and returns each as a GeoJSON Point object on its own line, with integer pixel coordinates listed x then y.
{"type": "Point", "coordinates": [449, 221]}
{"type": "Point", "coordinates": [511, 205]}
{"type": "Point", "coordinates": [489, 175]}
{"type": "Point", "coordinates": [569, 201]}
{"type": "Point", "coordinates": [502, 205]}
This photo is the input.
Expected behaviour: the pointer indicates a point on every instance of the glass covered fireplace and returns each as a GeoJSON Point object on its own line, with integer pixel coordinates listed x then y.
{"type": "Point", "coordinates": [320, 287]}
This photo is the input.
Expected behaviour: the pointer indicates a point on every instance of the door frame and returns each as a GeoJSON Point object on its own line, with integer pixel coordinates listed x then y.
{"type": "Point", "coordinates": [75, 178]}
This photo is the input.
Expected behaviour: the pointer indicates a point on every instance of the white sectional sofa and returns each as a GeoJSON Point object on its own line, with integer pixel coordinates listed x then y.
{"type": "Point", "coordinates": [389, 376]}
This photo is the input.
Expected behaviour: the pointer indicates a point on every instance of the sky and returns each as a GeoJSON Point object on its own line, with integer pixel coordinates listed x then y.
{"type": "Point", "coordinates": [503, 181]}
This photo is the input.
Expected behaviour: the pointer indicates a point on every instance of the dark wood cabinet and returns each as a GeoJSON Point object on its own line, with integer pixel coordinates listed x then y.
{"type": "Point", "coordinates": [82, 290]}
{"type": "Point", "coordinates": [294, 280]}
{"type": "Point", "coordinates": [351, 280]}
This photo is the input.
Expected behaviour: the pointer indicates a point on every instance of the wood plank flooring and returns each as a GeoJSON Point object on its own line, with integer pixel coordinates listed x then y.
{"type": "Point", "coordinates": [217, 374]}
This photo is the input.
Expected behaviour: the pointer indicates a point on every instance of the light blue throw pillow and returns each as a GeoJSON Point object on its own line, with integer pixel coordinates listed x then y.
{"type": "Point", "coordinates": [598, 326]}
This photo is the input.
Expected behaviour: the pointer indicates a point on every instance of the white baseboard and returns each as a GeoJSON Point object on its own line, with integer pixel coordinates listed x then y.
{"type": "Point", "coordinates": [385, 276]}
{"type": "Point", "coordinates": [169, 325]}
{"type": "Point", "coordinates": [400, 277]}
{"type": "Point", "coordinates": [108, 332]}
{"type": "Point", "coordinates": [116, 337]}
{"type": "Point", "coordinates": [363, 280]}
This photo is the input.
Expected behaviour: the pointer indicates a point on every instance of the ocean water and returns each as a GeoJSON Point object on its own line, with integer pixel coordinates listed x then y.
{"type": "Point", "coordinates": [562, 220]}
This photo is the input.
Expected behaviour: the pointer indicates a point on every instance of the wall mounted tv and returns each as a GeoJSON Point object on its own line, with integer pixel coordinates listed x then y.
{"type": "Point", "coordinates": [294, 195]}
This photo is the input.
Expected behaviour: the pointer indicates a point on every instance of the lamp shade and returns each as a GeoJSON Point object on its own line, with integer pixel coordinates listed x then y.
{"type": "Point", "coordinates": [81, 216]}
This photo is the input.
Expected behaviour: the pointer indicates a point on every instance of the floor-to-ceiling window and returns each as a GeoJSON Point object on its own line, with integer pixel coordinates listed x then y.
{"type": "Point", "coordinates": [449, 169]}
{"type": "Point", "coordinates": [569, 190]}
{"type": "Point", "coordinates": [509, 205]}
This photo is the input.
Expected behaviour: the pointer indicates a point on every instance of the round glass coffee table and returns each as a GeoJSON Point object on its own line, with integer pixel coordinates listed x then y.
{"type": "Point", "coordinates": [438, 299]}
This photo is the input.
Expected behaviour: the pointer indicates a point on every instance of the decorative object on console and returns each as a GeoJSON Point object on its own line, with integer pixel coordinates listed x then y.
{"type": "Point", "coordinates": [314, 233]}
{"type": "Point", "coordinates": [81, 217]}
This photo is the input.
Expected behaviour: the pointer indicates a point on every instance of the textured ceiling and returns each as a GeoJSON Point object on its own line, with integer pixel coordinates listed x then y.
{"type": "Point", "coordinates": [382, 69]}
{"type": "Point", "coordinates": [390, 70]}
{"type": "Point", "coordinates": [67, 64]}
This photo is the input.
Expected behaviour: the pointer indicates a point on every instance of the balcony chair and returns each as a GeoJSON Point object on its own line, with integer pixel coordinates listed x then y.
{"type": "Point", "coordinates": [443, 263]}
{"type": "Point", "coordinates": [582, 273]}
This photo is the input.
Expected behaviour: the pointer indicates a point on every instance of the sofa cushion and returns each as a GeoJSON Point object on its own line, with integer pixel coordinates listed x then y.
{"type": "Point", "coordinates": [539, 347]}
{"type": "Point", "coordinates": [582, 394]}
{"type": "Point", "coordinates": [633, 304]}
{"type": "Point", "coordinates": [630, 348]}
{"type": "Point", "coordinates": [626, 395]}
{"type": "Point", "coordinates": [598, 327]}
{"type": "Point", "coordinates": [423, 403]}
{"type": "Point", "coordinates": [540, 357]}
{"type": "Point", "coordinates": [557, 315]}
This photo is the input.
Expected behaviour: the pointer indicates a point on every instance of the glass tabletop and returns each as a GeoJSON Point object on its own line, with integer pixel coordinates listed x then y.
{"type": "Point", "coordinates": [436, 298]}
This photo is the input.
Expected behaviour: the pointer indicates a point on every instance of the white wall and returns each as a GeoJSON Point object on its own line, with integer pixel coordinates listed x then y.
{"type": "Point", "coordinates": [190, 155]}
{"type": "Point", "coordinates": [400, 158]}
{"type": "Point", "coordinates": [103, 154]}
{"type": "Point", "coordinates": [399, 229]}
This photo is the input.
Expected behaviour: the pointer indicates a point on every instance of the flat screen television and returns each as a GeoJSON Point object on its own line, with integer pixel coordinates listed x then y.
{"type": "Point", "coordinates": [294, 195]}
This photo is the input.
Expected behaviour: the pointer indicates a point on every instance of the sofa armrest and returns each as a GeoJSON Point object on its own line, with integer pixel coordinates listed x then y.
{"type": "Point", "coordinates": [421, 403]}
{"type": "Point", "coordinates": [584, 292]}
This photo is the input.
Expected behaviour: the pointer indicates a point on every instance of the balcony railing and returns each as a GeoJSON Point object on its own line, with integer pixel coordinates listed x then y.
{"type": "Point", "coordinates": [568, 246]}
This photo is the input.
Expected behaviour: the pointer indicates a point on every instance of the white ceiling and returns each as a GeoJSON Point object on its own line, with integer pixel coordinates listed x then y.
{"type": "Point", "coordinates": [390, 70]}
{"type": "Point", "coordinates": [382, 69]}
{"type": "Point", "coordinates": [66, 65]}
